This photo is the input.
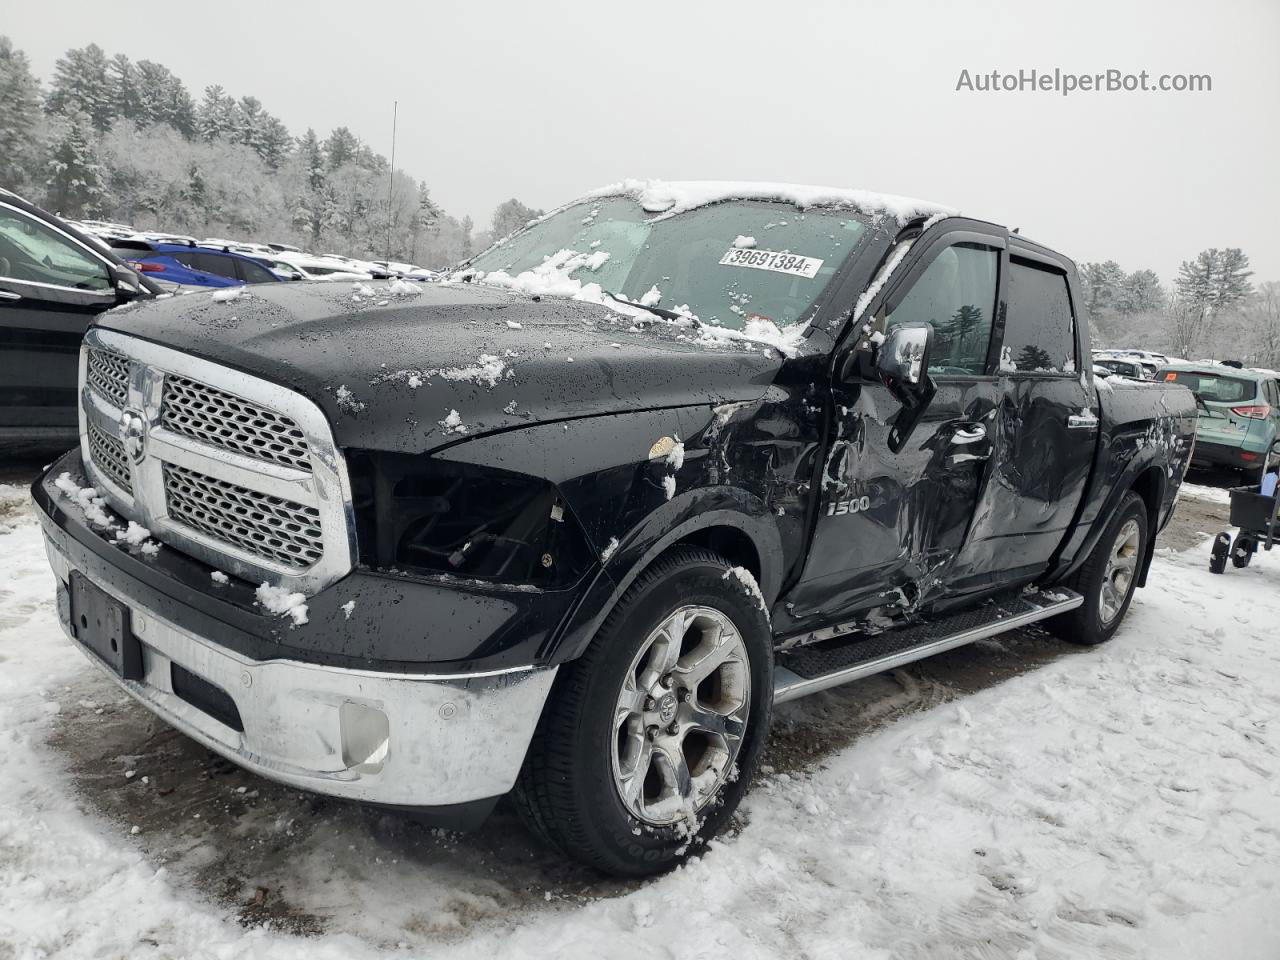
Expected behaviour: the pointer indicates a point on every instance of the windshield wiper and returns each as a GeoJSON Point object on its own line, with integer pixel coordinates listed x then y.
{"type": "Point", "coordinates": [656, 311]}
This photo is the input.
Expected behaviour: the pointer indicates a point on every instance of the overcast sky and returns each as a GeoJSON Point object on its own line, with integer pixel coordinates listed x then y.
{"type": "Point", "coordinates": [544, 100]}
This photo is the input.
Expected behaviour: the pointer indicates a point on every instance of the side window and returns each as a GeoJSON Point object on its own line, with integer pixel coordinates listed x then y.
{"type": "Point", "coordinates": [31, 252]}
{"type": "Point", "coordinates": [956, 294]}
{"type": "Point", "coordinates": [213, 263]}
{"type": "Point", "coordinates": [252, 273]}
{"type": "Point", "coordinates": [1039, 331]}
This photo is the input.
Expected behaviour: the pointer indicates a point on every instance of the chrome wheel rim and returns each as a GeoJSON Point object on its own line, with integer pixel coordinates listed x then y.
{"type": "Point", "coordinates": [1122, 564]}
{"type": "Point", "coordinates": [681, 716]}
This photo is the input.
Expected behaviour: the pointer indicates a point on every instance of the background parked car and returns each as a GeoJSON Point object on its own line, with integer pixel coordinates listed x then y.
{"type": "Point", "coordinates": [193, 266]}
{"type": "Point", "coordinates": [1239, 414]}
{"type": "Point", "coordinates": [1122, 367]}
{"type": "Point", "coordinates": [54, 281]}
{"type": "Point", "coordinates": [323, 268]}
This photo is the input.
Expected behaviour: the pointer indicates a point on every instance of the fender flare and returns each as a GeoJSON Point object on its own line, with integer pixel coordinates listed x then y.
{"type": "Point", "coordinates": [699, 509]}
{"type": "Point", "coordinates": [1129, 480]}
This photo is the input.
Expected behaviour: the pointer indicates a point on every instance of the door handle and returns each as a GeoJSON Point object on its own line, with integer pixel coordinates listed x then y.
{"type": "Point", "coordinates": [969, 433]}
{"type": "Point", "coordinates": [9, 295]}
{"type": "Point", "coordinates": [1085, 420]}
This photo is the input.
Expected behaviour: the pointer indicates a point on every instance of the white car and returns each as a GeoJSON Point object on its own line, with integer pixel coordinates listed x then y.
{"type": "Point", "coordinates": [322, 268]}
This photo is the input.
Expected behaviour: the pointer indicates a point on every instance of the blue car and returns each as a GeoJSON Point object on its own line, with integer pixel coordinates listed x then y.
{"type": "Point", "coordinates": [190, 265]}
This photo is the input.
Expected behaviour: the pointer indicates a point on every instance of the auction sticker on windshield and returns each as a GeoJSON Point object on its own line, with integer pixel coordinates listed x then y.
{"type": "Point", "coordinates": [771, 260]}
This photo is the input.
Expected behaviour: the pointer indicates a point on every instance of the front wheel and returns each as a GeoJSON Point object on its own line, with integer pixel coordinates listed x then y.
{"type": "Point", "coordinates": [1108, 578]}
{"type": "Point", "coordinates": [651, 737]}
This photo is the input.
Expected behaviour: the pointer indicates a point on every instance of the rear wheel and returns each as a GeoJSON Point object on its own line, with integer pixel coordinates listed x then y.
{"type": "Point", "coordinates": [651, 737]}
{"type": "Point", "coordinates": [1108, 578]}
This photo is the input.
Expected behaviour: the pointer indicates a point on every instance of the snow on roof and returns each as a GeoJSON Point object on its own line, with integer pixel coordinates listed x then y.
{"type": "Point", "coordinates": [669, 197]}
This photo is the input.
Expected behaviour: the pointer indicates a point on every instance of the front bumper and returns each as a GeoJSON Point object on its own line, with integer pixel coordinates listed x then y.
{"type": "Point", "coordinates": [446, 742]}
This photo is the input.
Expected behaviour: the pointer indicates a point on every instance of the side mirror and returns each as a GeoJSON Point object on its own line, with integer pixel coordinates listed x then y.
{"type": "Point", "coordinates": [127, 284]}
{"type": "Point", "coordinates": [903, 359]}
{"type": "Point", "coordinates": [902, 364]}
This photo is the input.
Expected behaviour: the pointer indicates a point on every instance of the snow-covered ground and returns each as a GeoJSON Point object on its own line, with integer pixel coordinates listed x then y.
{"type": "Point", "coordinates": [1015, 799]}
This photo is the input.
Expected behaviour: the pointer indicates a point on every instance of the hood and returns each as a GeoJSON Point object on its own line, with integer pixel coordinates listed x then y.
{"type": "Point", "coordinates": [409, 367]}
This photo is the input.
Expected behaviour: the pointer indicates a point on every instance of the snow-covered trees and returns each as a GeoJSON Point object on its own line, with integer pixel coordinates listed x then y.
{"type": "Point", "coordinates": [82, 85]}
{"type": "Point", "coordinates": [19, 117]}
{"type": "Point", "coordinates": [511, 215]}
{"type": "Point", "coordinates": [1214, 283]}
{"type": "Point", "coordinates": [75, 177]}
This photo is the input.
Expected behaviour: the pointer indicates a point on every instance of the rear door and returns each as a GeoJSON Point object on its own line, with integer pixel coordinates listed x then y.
{"type": "Point", "coordinates": [1046, 430]}
{"type": "Point", "coordinates": [51, 288]}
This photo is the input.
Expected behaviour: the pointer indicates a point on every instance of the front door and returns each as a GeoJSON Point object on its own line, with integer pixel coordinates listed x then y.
{"type": "Point", "coordinates": [51, 288]}
{"type": "Point", "coordinates": [889, 524]}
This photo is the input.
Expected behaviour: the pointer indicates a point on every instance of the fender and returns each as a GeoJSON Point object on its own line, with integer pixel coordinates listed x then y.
{"type": "Point", "coordinates": [1130, 464]}
{"type": "Point", "coordinates": [699, 509]}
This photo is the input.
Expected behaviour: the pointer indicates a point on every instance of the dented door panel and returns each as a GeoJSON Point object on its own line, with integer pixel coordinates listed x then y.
{"type": "Point", "coordinates": [889, 526]}
{"type": "Point", "coordinates": [1040, 465]}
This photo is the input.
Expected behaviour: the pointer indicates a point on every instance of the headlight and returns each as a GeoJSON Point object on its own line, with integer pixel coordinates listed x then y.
{"type": "Point", "coordinates": [421, 514]}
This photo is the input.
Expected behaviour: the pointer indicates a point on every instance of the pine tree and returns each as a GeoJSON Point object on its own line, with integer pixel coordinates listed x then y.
{"type": "Point", "coordinates": [196, 194]}
{"type": "Point", "coordinates": [75, 184]}
{"type": "Point", "coordinates": [1033, 357]}
{"type": "Point", "coordinates": [1140, 292]}
{"type": "Point", "coordinates": [126, 102]}
{"type": "Point", "coordinates": [312, 159]}
{"type": "Point", "coordinates": [510, 216]}
{"type": "Point", "coordinates": [1211, 284]}
{"type": "Point", "coordinates": [19, 114]}
{"type": "Point", "coordinates": [341, 148]}
{"type": "Point", "coordinates": [217, 117]}
{"type": "Point", "coordinates": [163, 98]}
{"type": "Point", "coordinates": [1101, 283]}
{"type": "Point", "coordinates": [81, 84]}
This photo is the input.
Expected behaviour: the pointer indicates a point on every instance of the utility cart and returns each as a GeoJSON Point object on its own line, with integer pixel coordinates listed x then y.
{"type": "Point", "coordinates": [1255, 515]}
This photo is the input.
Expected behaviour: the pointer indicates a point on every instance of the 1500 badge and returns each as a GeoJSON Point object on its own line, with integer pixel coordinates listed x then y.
{"type": "Point", "coordinates": [838, 508]}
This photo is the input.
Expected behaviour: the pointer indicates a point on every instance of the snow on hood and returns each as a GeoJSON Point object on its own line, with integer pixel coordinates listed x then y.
{"type": "Point", "coordinates": [670, 197]}
{"type": "Point", "coordinates": [413, 373]}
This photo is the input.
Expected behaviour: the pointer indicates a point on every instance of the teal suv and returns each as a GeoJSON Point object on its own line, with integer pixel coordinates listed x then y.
{"type": "Point", "coordinates": [1239, 414]}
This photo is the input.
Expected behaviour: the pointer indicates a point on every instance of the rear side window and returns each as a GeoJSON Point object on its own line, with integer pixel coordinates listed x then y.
{"type": "Point", "coordinates": [1039, 332]}
{"type": "Point", "coordinates": [252, 273]}
{"type": "Point", "coordinates": [1212, 387]}
{"type": "Point", "coordinates": [956, 295]}
{"type": "Point", "coordinates": [208, 263]}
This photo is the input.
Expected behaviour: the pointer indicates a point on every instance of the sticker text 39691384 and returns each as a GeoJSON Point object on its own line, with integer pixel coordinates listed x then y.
{"type": "Point", "coordinates": [771, 260]}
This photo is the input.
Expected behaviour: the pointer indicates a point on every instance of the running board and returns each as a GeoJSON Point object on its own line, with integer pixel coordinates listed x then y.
{"type": "Point", "coordinates": [800, 672]}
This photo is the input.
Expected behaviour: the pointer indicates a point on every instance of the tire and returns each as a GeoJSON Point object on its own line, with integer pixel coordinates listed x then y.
{"type": "Point", "coordinates": [579, 765]}
{"type": "Point", "coordinates": [1098, 618]}
{"type": "Point", "coordinates": [1243, 551]}
{"type": "Point", "coordinates": [1219, 552]}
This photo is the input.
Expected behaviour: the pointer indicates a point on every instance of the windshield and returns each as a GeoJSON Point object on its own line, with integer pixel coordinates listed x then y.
{"type": "Point", "coordinates": [1211, 387]}
{"type": "Point", "coordinates": [725, 263]}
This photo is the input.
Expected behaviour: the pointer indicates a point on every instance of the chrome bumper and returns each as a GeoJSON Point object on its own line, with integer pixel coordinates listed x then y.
{"type": "Point", "coordinates": [416, 740]}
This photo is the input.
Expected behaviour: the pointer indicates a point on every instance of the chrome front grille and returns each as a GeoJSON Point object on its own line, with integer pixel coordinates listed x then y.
{"type": "Point", "coordinates": [108, 453]}
{"type": "Point", "coordinates": [109, 375]}
{"type": "Point", "coordinates": [216, 417]}
{"type": "Point", "coordinates": [254, 522]}
{"type": "Point", "coordinates": [234, 470]}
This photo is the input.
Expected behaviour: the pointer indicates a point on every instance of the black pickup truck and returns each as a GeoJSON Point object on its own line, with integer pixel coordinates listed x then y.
{"type": "Point", "coordinates": [567, 525]}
